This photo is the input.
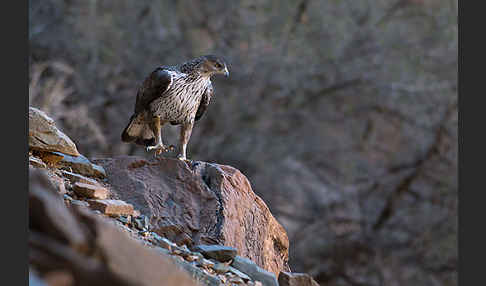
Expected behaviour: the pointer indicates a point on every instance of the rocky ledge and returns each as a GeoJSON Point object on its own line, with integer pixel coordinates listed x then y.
{"type": "Point", "coordinates": [132, 221]}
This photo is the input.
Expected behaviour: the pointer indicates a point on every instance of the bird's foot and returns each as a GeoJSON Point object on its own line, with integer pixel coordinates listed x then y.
{"type": "Point", "coordinates": [160, 148]}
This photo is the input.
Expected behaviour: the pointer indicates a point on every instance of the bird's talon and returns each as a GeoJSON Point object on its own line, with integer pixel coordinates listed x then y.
{"type": "Point", "coordinates": [158, 149]}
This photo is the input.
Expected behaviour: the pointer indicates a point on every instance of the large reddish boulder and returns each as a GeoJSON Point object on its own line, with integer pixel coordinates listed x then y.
{"type": "Point", "coordinates": [200, 203]}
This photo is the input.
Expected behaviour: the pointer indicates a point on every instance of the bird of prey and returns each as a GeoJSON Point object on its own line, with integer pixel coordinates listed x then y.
{"type": "Point", "coordinates": [178, 95]}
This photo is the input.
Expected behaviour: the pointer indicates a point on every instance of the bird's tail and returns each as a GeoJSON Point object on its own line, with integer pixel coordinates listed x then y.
{"type": "Point", "coordinates": [138, 130]}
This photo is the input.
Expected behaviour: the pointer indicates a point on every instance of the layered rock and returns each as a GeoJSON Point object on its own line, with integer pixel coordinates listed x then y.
{"type": "Point", "coordinates": [87, 249]}
{"type": "Point", "coordinates": [80, 215]}
{"type": "Point", "coordinates": [200, 203]}
{"type": "Point", "coordinates": [44, 135]}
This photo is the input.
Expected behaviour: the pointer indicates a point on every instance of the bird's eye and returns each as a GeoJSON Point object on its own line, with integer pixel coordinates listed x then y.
{"type": "Point", "coordinates": [218, 65]}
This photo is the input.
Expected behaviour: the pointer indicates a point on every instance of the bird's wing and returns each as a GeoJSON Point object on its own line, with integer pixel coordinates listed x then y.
{"type": "Point", "coordinates": [153, 87]}
{"type": "Point", "coordinates": [203, 105]}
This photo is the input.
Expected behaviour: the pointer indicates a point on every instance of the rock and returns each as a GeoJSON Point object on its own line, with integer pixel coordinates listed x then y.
{"type": "Point", "coordinates": [90, 191]}
{"type": "Point", "coordinates": [184, 250]}
{"type": "Point", "coordinates": [51, 159]}
{"type": "Point", "coordinates": [47, 212]}
{"type": "Point", "coordinates": [145, 222]}
{"type": "Point", "coordinates": [109, 256]}
{"type": "Point", "coordinates": [124, 219]}
{"type": "Point", "coordinates": [57, 182]}
{"type": "Point", "coordinates": [77, 203]}
{"type": "Point", "coordinates": [191, 258]}
{"type": "Point", "coordinates": [256, 273]}
{"type": "Point", "coordinates": [236, 280]}
{"type": "Point", "coordinates": [59, 278]}
{"type": "Point", "coordinates": [239, 273]}
{"type": "Point", "coordinates": [222, 278]}
{"type": "Point", "coordinates": [201, 203]}
{"type": "Point", "coordinates": [35, 280]}
{"type": "Point", "coordinates": [44, 135]}
{"type": "Point", "coordinates": [81, 165]}
{"type": "Point", "coordinates": [139, 223]}
{"type": "Point", "coordinates": [162, 250]}
{"type": "Point", "coordinates": [219, 252]}
{"type": "Point", "coordinates": [221, 268]}
{"type": "Point", "coordinates": [205, 263]}
{"type": "Point", "coordinates": [198, 274]}
{"type": "Point", "coordinates": [67, 197]}
{"type": "Point", "coordinates": [36, 162]}
{"type": "Point", "coordinates": [295, 279]}
{"type": "Point", "coordinates": [111, 207]}
{"type": "Point", "coordinates": [164, 242]}
{"type": "Point", "coordinates": [199, 255]}
{"type": "Point", "coordinates": [75, 178]}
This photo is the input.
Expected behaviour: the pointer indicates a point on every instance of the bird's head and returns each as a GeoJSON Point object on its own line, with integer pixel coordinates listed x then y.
{"type": "Point", "coordinates": [210, 65]}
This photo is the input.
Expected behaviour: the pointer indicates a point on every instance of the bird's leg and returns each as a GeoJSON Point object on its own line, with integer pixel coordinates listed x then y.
{"type": "Point", "coordinates": [186, 129]}
{"type": "Point", "coordinates": [156, 126]}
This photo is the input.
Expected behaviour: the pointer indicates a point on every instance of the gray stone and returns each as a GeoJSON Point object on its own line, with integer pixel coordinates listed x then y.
{"type": "Point", "coordinates": [81, 165]}
{"type": "Point", "coordinates": [184, 250]}
{"type": "Point", "coordinates": [205, 263]}
{"type": "Point", "coordinates": [164, 242]}
{"type": "Point", "coordinates": [221, 268]}
{"type": "Point", "coordinates": [67, 197]}
{"type": "Point", "coordinates": [35, 280]}
{"type": "Point", "coordinates": [239, 273]}
{"type": "Point", "coordinates": [248, 267]}
{"type": "Point", "coordinates": [139, 223]}
{"type": "Point", "coordinates": [75, 178]}
{"type": "Point", "coordinates": [78, 203]}
{"type": "Point", "coordinates": [124, 219]}
{"type": "Point", "coordinates": [162, 250]}
{"type": "Point", "coordinates": [198, 274]}
{"type": "Point", "coordinates": [146, 222]}
{"type": "Point", "coordinates": [219, 252]}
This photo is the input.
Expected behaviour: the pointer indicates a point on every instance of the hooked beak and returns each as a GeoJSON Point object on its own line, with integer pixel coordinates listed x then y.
{"type": "Point", "coordinates": [226, 72]}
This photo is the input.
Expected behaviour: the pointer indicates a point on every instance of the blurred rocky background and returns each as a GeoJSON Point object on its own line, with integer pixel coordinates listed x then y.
{"type": "Point", "coordinates": [342, 114]}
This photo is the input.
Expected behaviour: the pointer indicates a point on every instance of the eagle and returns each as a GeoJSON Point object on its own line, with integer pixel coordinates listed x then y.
{"type": "Point", "coordinates": [178, 95]}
